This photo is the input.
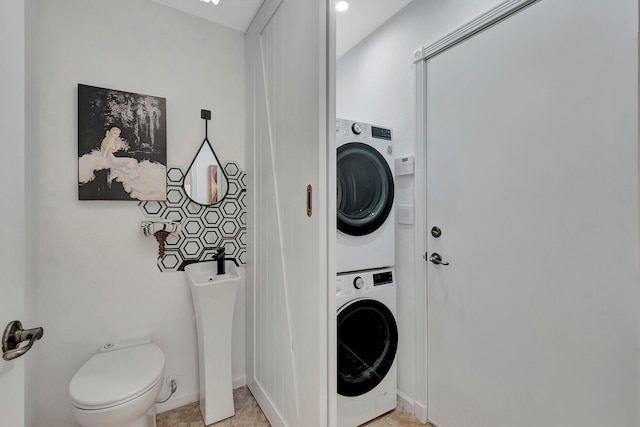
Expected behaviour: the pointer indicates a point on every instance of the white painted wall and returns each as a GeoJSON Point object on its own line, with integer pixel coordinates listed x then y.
{"type": "Point", "coordinates": [97, 279]}
{"type": "Point", "coordinates": [376, 84]}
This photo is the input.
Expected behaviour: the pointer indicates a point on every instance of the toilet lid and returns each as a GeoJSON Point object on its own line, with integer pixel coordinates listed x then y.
{"type": "Point", "coordinates": [116, 376]}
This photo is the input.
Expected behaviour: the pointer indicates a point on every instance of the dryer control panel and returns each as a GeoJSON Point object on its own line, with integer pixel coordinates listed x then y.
{"type": "Point", "coordinates": [381, 133]}
{"type": "Point", "coordinates": [362, 131]}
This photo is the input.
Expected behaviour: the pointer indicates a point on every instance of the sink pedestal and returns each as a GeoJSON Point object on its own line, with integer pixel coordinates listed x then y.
{"type": "Point", "coordinates": [214, 300]}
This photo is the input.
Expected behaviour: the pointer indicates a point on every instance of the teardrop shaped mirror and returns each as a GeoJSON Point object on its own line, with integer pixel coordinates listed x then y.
{"type": "Point", "coordinates": [206, 181]}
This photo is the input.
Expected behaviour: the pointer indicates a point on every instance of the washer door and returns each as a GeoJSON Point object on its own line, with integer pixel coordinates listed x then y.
{"type": "Point", "coordinates": [365, 189]}
{"type": "Point", "coordinates": [367, 344]}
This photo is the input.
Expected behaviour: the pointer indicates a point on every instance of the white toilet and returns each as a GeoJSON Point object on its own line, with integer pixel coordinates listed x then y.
{"type": "Point", "coordinates": [118, 387]}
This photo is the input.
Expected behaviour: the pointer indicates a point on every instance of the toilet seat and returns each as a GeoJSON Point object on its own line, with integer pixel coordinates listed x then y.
{"type": "Point", "coordinates": [115, 377]}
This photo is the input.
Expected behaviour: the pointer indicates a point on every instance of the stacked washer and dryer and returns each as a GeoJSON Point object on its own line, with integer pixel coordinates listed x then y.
{"type": "Point", "coordinates": [365, 286]}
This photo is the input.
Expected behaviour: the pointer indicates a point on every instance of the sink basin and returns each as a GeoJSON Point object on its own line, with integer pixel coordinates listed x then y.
{"type": "Point", "coordinates": [203, 273]}
{"type": "Point", "coordinates": [214, 298]}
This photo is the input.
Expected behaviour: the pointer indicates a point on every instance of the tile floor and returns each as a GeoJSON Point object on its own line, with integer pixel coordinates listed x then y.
{"type": "Point", "coordinates": [248, 414]}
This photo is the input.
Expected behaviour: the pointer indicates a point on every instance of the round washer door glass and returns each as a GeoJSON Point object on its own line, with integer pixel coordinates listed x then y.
{"type": "Point", "coordinates": [365, 189]}
{"type": "Point", "coordinates": [367, 344]}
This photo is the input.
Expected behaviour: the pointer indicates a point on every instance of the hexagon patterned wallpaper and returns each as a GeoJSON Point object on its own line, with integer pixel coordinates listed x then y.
{"type": "Point", "coordinates": [203, 227]}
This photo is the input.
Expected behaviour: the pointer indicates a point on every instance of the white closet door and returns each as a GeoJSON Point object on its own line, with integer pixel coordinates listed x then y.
{"type": "Point", "coordinates": [532, 176]}
{"type": "Point", "coordinates": [12, 193]}
{"type": "Point", "coordinates": [288, 263]}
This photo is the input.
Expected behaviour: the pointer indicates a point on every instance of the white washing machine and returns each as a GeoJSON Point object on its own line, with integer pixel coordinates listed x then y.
{"type": "Point", "coordinates": [367, 345]}
{"type": "Point", "coordinates": [365, 197]}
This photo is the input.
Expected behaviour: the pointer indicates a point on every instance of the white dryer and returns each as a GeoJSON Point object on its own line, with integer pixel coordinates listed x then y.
{"type": "Point", "coordinates": [365, 197]}
{"type": "Point", "coordinates": [367, 345]}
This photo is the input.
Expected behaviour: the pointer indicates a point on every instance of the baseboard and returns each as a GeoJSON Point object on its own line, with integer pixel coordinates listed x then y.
{"type": "Point", "coordinates": [420, 412]}
{"type": "Point", "coordinates": [239, 382]}
{"type": "Point", "coordinates": [406, 402]}
{"type": "Point", "coordinates": [266, 405]}
{"type": "Point", "coordinates": [177, 400]}
{"type": "Point", "coordinates": [411, 406]}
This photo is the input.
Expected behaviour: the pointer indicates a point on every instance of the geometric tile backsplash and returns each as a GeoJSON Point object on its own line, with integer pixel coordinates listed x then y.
{"type": "Point", "coordinates": [203, 227]}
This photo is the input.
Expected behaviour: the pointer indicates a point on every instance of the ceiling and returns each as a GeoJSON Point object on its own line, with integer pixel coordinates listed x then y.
{"type": "Point", "coordinates": [362, 18]}
{"type": "Point", "coordinates": [236, 14]}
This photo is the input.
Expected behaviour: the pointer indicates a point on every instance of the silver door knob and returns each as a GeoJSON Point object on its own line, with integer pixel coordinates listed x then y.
{"type": "Point", "coordinates": [14, 335]}
{"type": "Point", "coordinates": [437, 259]}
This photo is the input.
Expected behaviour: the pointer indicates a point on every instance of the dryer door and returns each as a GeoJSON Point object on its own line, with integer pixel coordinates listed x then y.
{"type": "Point", "coordinates": [365, 189]}
{"type": "Point", "coordinates": [367, 344]}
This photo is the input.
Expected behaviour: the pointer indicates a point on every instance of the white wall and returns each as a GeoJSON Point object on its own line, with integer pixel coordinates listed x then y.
{"type": "Point", "coordinates": [376, 84]}
{"type": "Point", "coordinates": [97, 279]}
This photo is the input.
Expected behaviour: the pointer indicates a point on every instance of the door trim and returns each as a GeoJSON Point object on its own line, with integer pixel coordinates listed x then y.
{"type": "Point", "coordinates": [331, 220]}
{"type": "Point", "coordinates": [421, 56]}
{"type": "Point", "coordinates": [492, 16]}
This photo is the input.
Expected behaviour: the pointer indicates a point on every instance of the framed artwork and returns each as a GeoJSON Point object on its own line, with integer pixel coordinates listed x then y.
{"type": "Point", "coordinates": [122, 145]}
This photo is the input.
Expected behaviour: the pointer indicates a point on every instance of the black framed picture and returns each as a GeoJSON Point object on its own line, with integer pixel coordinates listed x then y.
{"type": "Point", "coordinates": [122, 145]}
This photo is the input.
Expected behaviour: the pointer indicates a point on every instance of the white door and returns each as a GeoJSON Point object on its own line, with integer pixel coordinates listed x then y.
{"type": "Point", "coordinates": [532, 177]}
{"type": "Point", "coordinates": [12, 194]}
{"type": "Point", "coordinates": [289, 212]}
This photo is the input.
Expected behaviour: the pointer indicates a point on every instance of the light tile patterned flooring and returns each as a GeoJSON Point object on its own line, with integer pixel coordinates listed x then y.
{"type": "Point", "coordinates": [248, 414]}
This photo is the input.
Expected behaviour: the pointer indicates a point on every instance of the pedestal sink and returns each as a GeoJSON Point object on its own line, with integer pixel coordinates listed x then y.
{"type": "Point", "coordinates": [214, 298]}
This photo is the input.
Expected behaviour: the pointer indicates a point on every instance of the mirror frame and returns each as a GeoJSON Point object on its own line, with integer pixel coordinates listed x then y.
{"type": "Point", "coordinates": [222, 167]}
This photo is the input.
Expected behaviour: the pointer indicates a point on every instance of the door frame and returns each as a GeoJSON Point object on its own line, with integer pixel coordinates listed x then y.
{"type": "Point", "coordinates": [14, 391]}
{"type": "Point", "coordinates": [420, 57]}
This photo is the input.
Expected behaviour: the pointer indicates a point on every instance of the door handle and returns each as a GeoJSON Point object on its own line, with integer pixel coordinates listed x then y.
{"type": "Point", "coordinates": [437, 259]}
{"type": "Point", "coordinates": [14, 335]}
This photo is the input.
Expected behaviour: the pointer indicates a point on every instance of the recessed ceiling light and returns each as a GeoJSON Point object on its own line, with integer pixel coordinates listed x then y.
{"type": "Point", "coordinates": [342, 5]}
{"type": "Point", "coordinates": [211, 1]}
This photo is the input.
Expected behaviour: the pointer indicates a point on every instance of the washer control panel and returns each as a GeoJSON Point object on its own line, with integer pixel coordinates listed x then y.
{"type": "Point", "coordinates": [364, 281]}
{"type": "Point", "coordinates": [358, 282]}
